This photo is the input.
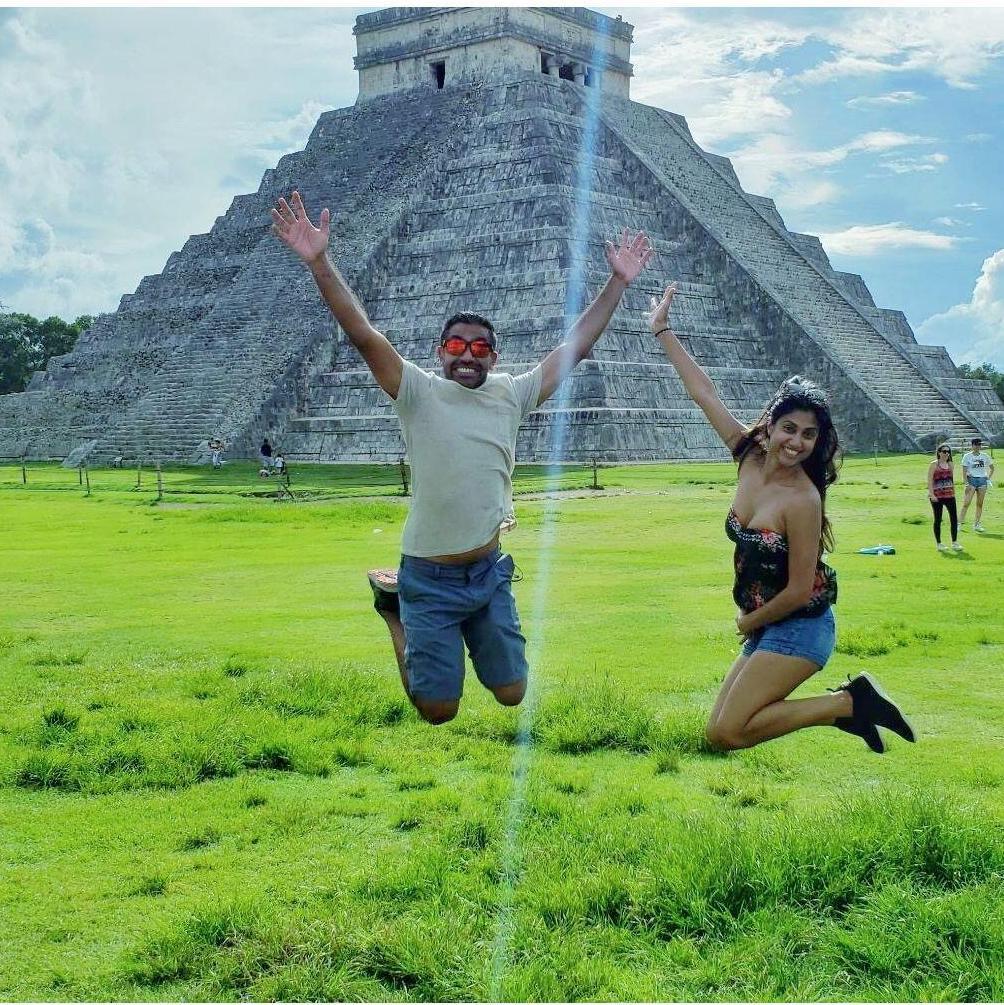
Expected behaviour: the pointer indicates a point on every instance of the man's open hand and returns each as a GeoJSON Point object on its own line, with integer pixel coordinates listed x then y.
{"type": "Point", "coordinates": [292, 226]}
{"type": "Point", "coordinates": [630, 256]}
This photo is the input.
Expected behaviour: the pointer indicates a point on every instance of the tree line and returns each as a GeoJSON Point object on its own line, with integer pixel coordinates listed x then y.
{"type": "Point", "coordinates": [985, 371]}
{"type": "Point", "coordinates": [27, 344]}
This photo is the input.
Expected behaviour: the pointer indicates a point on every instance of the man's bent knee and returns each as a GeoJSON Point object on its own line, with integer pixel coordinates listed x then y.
{"type": "Point", "coordinates": [437, 712]}
{"type": "Point", "coordinates": [510, 694]}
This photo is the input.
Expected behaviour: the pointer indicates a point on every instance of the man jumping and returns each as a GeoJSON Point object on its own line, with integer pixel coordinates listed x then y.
{"type": "Point", "coordinates": [454, 583]}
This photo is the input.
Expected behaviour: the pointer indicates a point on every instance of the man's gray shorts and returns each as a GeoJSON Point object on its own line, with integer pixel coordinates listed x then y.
{"type": "Point", "coordinates": [445, 606]}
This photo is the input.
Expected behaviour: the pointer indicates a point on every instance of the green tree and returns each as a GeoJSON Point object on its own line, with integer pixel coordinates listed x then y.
{"type": "Point", "coordinates": [985, 371]}
{"type": "Point", "coordinates": [17, 353]}
{"type": "Point", "coordinates": [27, 345]}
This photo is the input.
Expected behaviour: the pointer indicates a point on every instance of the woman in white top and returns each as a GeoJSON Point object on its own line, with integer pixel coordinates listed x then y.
{"type": "Point", "coordinates": [978, 469]}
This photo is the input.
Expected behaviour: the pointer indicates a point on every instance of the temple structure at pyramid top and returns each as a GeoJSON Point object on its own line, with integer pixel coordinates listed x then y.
{"type": "Point", "coordinates": [490, 153]}
{"type": "Point", "coordinates": [405, 48]}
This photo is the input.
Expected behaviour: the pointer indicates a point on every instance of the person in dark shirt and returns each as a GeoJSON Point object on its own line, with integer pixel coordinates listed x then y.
{"type": "Point", "coordinates": [783, 589]}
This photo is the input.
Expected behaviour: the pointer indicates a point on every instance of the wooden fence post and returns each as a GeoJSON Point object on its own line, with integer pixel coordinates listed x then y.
{"type": "Point", "coordinates": [404, 476]}
{"type": "Point", "coordinates": [596, 484]}
{"type": "Point", "coordinates": [87, 480]}
{"type": "Point", "coordinates": [24, 470]}
{"type": "Point", "coordinates": [160, 483]}
{"type": "Point", "coordinates": [139, 474]}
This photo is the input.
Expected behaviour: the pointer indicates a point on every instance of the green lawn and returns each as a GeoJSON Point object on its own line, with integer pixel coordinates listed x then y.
{"type": "Point", "coordinates": [211, 787]}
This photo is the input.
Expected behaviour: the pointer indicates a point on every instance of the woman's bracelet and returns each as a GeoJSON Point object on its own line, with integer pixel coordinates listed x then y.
{"type": "Point", "coordinates": [661, 330]}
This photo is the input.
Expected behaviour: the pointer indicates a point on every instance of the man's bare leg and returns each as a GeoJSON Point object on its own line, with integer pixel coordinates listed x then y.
{"type": "Point", "coordinates": [396, 629]}
{"type": "Point", "coordinates": [383, 582]}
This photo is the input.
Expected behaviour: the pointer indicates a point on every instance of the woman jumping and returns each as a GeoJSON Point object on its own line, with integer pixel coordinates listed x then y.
{"type": "Point", "coordinates": [783, 589]}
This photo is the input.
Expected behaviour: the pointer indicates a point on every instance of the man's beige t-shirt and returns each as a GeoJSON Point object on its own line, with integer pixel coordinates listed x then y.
{"type": "Point", "coordinates": [462, 447]}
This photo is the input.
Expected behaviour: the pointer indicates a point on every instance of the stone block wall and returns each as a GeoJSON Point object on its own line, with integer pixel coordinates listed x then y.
{"type": "Point", "coordinates": [232, 338]}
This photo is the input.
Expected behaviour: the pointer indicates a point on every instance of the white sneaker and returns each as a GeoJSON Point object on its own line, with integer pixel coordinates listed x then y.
{"type": "Point", "coordinates": [942, 547]}
{"type": "Point", "coordinates": [979, 528]}
{"type": "Point", "coordinates": [956, 546]}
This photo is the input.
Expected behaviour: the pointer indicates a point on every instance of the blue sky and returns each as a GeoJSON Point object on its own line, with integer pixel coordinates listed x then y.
{"type": "Point", "coordinates": [123, 131]}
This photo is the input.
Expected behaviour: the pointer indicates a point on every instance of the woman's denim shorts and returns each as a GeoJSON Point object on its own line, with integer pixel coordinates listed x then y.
{"type": "Point", "coordinates": [810, 639]}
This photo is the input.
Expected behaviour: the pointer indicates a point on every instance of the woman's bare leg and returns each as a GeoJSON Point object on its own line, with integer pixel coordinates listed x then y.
{"type": "Point", "coordinates": [723, 691]}
{"type": "Point", "coordinates": [755, 708]}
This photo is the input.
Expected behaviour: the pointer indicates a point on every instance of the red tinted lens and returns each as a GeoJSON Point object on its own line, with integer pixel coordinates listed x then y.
{"type": "Point", "coordinates": [480, 348]}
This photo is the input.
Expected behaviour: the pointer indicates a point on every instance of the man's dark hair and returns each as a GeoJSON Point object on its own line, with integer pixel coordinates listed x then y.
{"type": "Point", "coordinates": [468, 318]}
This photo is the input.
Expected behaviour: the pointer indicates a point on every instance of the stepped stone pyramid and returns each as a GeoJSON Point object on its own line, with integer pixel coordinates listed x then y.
{"type": "Point", "coordinates": [489, 154]}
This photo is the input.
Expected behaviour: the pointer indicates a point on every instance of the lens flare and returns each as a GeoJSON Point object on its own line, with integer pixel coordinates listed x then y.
{"type": "Point", "coordinates": [575, 298]}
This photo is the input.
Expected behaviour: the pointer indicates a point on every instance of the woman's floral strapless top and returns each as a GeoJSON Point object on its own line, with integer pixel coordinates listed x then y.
{"type": "Point", "coordinates": [761, 562]}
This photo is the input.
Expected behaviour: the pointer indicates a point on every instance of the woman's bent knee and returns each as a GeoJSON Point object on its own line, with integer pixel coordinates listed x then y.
{"type": "Point", "coordinates": [722, 738]}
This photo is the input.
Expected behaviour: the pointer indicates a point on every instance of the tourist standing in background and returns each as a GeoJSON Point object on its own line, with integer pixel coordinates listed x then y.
{"type": "Point", "coordinates": [216, 448]}
{"type": "Point", "coordinates": [978, 469]}
{"type": "Point", "coordinates": [941, 492]}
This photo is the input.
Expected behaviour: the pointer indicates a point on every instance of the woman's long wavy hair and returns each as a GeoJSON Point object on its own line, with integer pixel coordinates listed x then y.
{"type": "Point", "coordinates": [822, 465]}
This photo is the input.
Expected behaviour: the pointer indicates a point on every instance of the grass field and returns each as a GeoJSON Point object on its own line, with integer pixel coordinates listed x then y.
{"type": "Point", "coordinates": [212, 788]}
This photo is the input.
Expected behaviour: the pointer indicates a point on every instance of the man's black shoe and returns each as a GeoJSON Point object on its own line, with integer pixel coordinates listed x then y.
{"type": "Point", "coordinates": [383, 583]}
{"type": "Point", "coordinates": [866, 730]}
{"type": "Point", "coordinates": [872, 705]}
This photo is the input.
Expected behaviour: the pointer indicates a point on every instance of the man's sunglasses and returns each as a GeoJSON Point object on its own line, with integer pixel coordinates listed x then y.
{"type": "Point", "coordinates": [480, 347]}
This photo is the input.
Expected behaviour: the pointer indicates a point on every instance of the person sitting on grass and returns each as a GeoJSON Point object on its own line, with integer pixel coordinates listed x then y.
{"type": "Point", "coordinates": [783, 590]}
{"type": "Point", "coordinates": [459, 427]}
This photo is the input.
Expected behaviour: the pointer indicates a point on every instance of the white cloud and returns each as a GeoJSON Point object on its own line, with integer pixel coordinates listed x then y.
{"type": "Point", "coordinates": [974, 331]}
{"type": "Point", "coordinates": [882, 237]}
{"type": "Point", "coordinates": [978, 137]}
{"type": "Point", "coordinates": [129, 130]}
{"type": "Point", "coordinates": [270, 140]}
{"type": "Point", "coordinates": [803, 193]}
{"type": "Point", "coordinates": [910, 165]}
{"type": "Point", "coordinates": [775, 164]}
{"type": "Point", "coordinates": [892, 98]}
{"type": "Point", "coordinates": [883, 139]}
{"type": "Point", "coordinates": [948, 221]}
{"type": "Point", "coordinates": [974, 206]}
{"type": "Point", "coordinates": [706, 70]}
{"type": "Point", "coordinates": [956, 45]}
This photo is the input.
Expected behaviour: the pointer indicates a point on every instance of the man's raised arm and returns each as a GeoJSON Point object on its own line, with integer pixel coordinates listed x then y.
{"type": "Point", "coordinates": [292, 226]}
{"type": "Point", "coordinates": [626, 262]}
